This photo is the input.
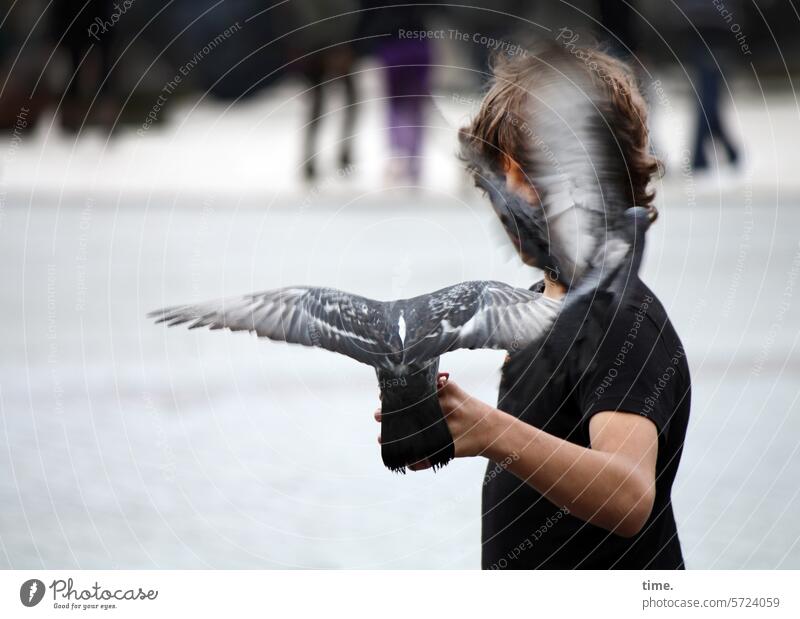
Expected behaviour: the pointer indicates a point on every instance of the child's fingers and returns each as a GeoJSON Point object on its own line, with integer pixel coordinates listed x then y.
{"type": "Point", "coordinates": [420, 466]}
{"type": "Point", "coordinates": [377, 415]}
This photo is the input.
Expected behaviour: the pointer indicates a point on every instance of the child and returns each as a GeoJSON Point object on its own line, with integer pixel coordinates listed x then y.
{"type": "Point", "coordinates": [581, 459]}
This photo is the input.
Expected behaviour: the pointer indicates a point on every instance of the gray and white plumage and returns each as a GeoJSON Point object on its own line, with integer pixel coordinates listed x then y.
{"type": "Point", "coordinates": [401, 339]}
{"type": "Point", "coordinates": [391, 335]}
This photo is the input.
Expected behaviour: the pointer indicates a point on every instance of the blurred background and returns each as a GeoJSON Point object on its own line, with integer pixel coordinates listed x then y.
{"type": "Point", "coordinates": [156, 153]}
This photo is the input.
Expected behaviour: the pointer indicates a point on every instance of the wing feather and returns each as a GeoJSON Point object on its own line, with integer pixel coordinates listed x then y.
{"type": "Point", "coordinates": [322, 317]}
{"type": "Point", "coordinates": [482, 314]}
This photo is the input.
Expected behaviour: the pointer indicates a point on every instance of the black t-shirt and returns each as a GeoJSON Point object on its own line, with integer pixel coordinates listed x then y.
{"type": "Point", "coordinates": [639, 367]}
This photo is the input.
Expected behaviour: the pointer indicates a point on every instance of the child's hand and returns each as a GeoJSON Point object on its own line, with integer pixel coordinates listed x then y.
{"type": "Point", "coordinates": [468, 419]}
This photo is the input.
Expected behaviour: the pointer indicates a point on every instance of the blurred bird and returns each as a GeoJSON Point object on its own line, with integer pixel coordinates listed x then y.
{"type": "Point", "coordinates": [598, 283]}
{"type": "Point", "coordinates": [401, 339]}
{"type": "Point", "coordinates": [546, 147]}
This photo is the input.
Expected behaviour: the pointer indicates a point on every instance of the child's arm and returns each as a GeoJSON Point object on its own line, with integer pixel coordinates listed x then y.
{"type": "Point", "coordinates": [611, 485]}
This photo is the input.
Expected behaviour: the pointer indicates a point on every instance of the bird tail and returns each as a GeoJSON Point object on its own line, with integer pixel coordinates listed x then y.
{"type": "Point", "coordinates": [413, 427]}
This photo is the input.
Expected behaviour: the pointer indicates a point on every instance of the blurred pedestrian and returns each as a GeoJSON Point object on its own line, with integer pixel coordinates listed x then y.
{"type": "Point", "coordinates": [85, 29]}
{"type": "Point", "coordinates": [715, 38]}
{"type": "Point", "coordinates": [334, 64]}
{"type": "Point", "coordinates": [407, 65]}
{"type": "Point", "coordinates": [405, 52]}
{"type": "Point", "coordinates": [326, 58]}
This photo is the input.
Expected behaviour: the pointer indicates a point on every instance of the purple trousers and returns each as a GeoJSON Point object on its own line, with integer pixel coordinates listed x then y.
{"type": "Point", "coordinates": [407, 69]}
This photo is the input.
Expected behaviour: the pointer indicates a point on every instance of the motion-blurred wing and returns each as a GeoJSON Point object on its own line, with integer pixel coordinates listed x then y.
{"type": "Point", "coordinates": [482, 314]}
{"type": "Point", "coordinates": [322, 317]}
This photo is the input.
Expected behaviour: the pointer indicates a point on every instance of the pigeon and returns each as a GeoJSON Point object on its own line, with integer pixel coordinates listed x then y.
{"type": "Point", "coordinates": [402, 340]}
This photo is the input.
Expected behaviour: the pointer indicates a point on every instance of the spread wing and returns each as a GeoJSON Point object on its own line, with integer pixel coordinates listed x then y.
{"type": "Point", "coordinates": [482, 314]}
{"type": "Point", "coordinates": [322, 317]}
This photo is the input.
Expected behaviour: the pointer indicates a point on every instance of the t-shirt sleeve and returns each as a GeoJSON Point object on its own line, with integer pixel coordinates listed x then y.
{"type": "Point", "coordinates": [633, 371]}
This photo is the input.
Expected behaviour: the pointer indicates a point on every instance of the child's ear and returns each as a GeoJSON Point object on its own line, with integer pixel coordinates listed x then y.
{"type": "Point", "coordinates": [509, 165]}
{"type": "Point", "coordinates": [517, 181]}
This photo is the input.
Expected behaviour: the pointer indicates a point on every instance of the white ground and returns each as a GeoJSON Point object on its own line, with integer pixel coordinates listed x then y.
{"type": "Point", "coordinates": [123, 444]}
